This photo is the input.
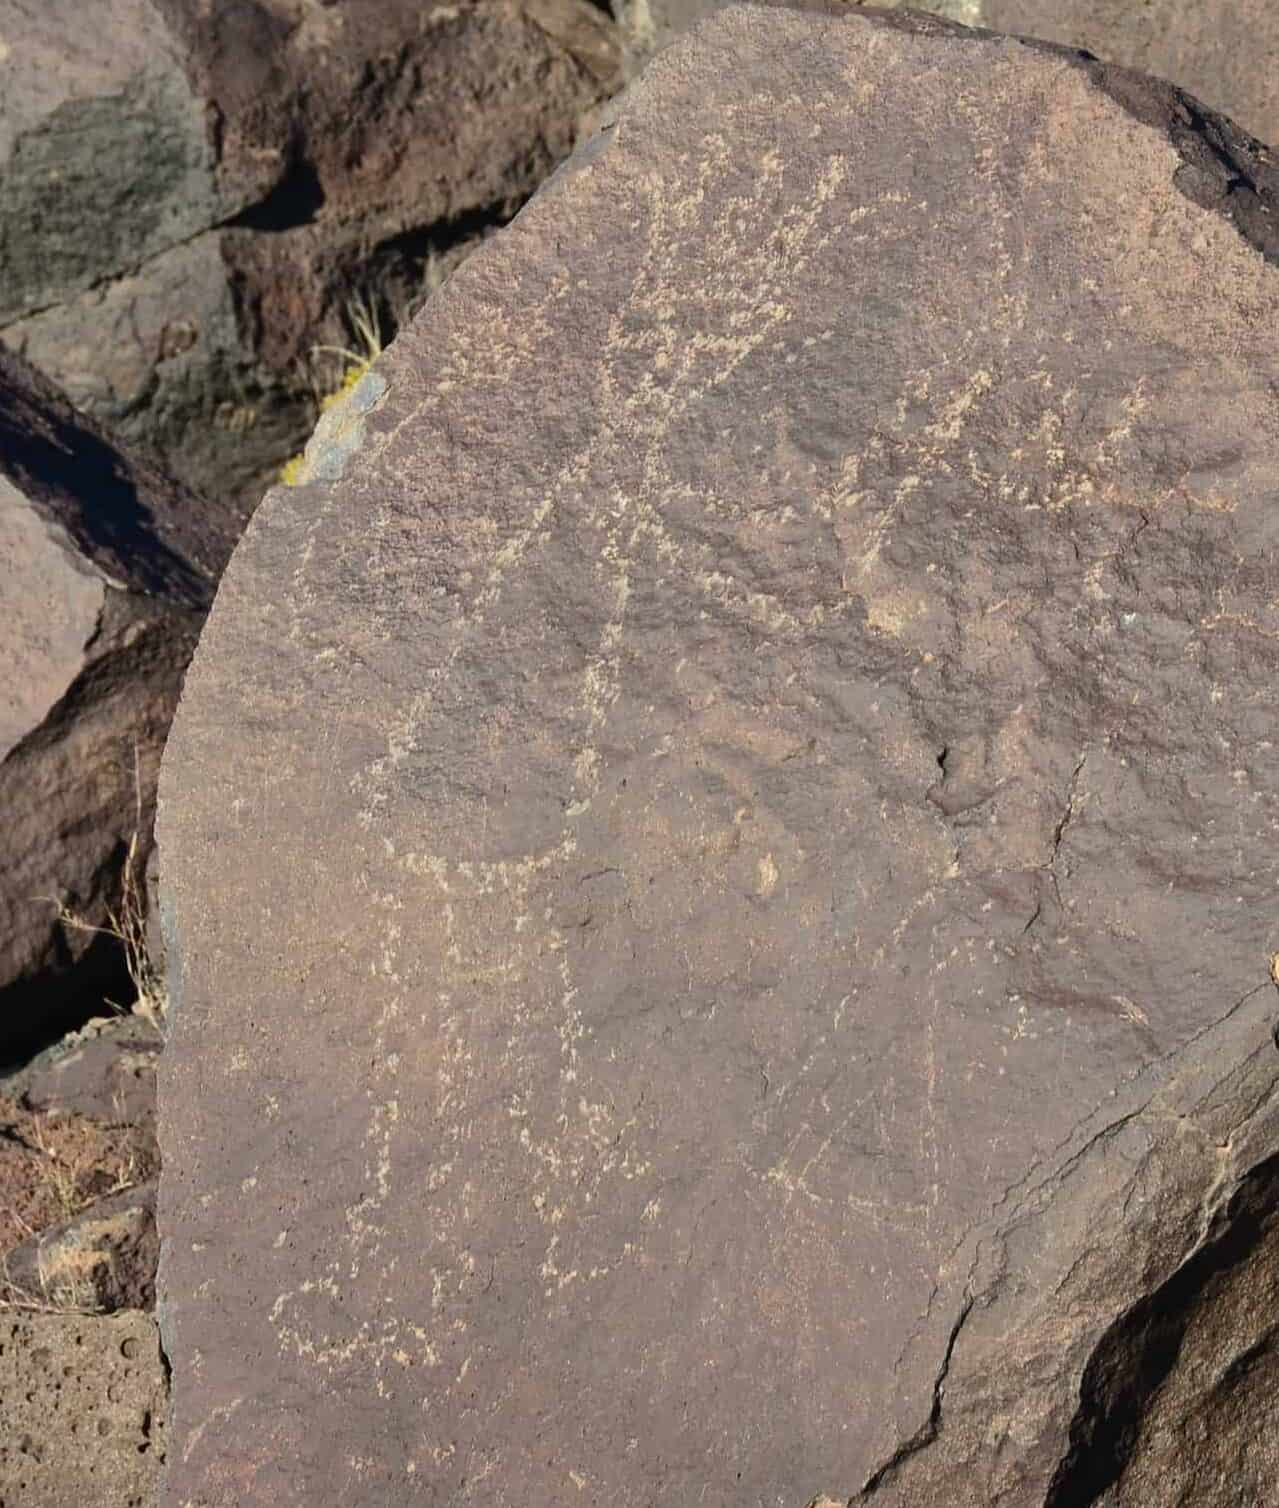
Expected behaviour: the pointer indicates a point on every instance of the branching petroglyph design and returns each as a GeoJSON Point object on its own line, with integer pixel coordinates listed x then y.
{"type": "Point", "coordinates": [713, 291]}
{"type": "Point", "coordinates": [691, 340]}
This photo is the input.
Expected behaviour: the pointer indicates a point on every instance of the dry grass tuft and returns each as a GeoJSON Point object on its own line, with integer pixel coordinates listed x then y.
{"type": "Point", "coordinates": [129, 926]}
{"type": "Point", "coordinates": [66, 1294]}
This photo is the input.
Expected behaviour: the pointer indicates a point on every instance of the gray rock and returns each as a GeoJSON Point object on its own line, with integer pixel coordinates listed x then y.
{"type": "Point", "coordinates": [109, 568]}
{"type": "Point", "coordinates": [719, 873]}
{"type": "Point", "coordinates": [106, 152]}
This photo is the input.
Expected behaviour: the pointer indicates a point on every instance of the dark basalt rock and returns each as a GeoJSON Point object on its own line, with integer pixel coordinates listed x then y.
{"type": "Point", "coordinates": [719, 865]}
{"type": "Point", "coordinates": [109, 567]}
{"type": "Point", "coordinates": [102, 1259]}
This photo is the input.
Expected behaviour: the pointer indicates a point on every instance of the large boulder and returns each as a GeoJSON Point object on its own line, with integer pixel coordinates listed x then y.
{"type": "Point", "coordinates": [195, 193]}
{"type": "Point", "coordinates": [719, 858]}
{"type": "Point", "coordinates": [109, 569]}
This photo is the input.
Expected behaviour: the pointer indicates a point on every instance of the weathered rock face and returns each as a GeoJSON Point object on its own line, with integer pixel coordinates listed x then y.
{"type": "Point", "coordinates": [719, 864]}
{"type": "Point", "coordinates": [192, 192]}
{"type": "Point", "coordinates": [77, 1179]}
{"type": "Point", "coordinates": [109, 568]}
{"type": "Point", "coordinates": [105, 1070]}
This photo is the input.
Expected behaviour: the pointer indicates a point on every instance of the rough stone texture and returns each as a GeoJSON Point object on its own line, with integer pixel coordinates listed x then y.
{"type": "Point", "coordinates": [82, 1411]}
{"type": "Point", "coordinates": [193, 192]}
{"type": "Point", "coordinates": [1208, 1435]}
{"type": "Point", "coordinates": [106, 1070]}
{"type": "Point", "coordinates": [1225, 53]}
{"type": "Point", "coordinates": [78, 1162]}
{"type": "Point", "coordinates": [719, 873]}
{"type": "Point", "coordinates": [109, 568]}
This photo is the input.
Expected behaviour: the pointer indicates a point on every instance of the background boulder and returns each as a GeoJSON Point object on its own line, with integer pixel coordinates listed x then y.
{"type": "Point", "coordinates": [1224, 53]}
{"type": "Point", "coordinates": [718, 858]}
{"type": "Point", "coordinates": [195, 193]}
{"type": "Point", "coordinates": [110, 567]}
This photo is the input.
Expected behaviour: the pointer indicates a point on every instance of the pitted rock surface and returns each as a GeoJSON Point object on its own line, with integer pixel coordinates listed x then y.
{"type": "Point", "coordinates": [82, 1410]}
{"type": "Point", "coordinates": [719, 871]}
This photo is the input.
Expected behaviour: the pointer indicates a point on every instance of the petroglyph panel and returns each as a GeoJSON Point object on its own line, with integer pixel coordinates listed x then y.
{"type": "Point", "coordinates": [736, 776]}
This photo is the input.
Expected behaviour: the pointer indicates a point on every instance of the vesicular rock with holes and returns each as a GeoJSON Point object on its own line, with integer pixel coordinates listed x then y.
{"type": "Point", "coordinates": [108, 568]}
{"type": "Point", "coordinates": [719, 860]}
{"type": "Point", "coordinates": [82, 1410]}
{"type": "Point", "coordinates": [193, 191]}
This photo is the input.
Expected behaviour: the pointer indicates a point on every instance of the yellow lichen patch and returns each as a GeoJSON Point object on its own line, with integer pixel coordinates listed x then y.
{"type": "Point", "coordinates": [293, 470]}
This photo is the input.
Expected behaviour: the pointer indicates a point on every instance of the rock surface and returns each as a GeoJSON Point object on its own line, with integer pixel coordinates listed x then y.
{"type": "Point", "coordinates": [82, 1411]}
{"type": "Point", "coordinates": [718, 869]}
{"type": "Point", "coordinates": [194, 192]}
{"type": "Point", "coordinates": [1225, 53]}
{"type": "Point", "coordinates": [78, 1165]}
{"type": "Point", "coordinates": [82, 1399]}
{"type": "Point", "coordinates": [109, 568]}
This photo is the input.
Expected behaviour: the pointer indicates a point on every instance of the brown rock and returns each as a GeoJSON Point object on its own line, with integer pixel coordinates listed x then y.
{"type": "Point", "coordinates": [130, 520]}
{"type": "Point", "coordinates": [1208, 1434]}
{"type": "Point", "coordinates": [100, 1260]}
{"type": "Point", "coordinates": [719, 866]}
{"type": "Point", "coordinates": [83, 1402]}
{"type": "Point", "coordinates": [1223, 54]}
{"type": "Point", "coordinates": [194, 193]}
{"type": "Point", "coordinates": [110, 566]}
{"type": "Point", "coordinates": [106, 1071]}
